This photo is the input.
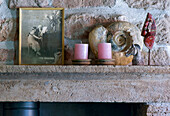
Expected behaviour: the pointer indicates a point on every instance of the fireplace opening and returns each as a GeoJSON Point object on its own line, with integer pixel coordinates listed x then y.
{"type": "Point", "coordinates": [70, 109]}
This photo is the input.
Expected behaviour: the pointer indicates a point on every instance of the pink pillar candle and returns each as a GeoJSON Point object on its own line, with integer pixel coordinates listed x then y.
{"type": "Point", "coordinates": [104, 51]}
{"type": "Point", "coordinates": [81, 51]}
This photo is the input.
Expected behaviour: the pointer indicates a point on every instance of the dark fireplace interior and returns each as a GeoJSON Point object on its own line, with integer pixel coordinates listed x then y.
{"type": "Point", "coordinates": [68, 109]}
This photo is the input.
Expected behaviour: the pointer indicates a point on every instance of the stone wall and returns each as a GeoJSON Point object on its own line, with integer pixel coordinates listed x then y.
{"type": "Point", "coordinates": [81, 16]}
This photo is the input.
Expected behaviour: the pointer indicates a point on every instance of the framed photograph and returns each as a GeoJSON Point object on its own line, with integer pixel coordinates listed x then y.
{"type": "Point", "coordinates": [41, 36]}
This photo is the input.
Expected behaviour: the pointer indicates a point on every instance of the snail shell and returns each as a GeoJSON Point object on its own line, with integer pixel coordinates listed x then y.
{"type": "Point", "coordinates": [121, 35]}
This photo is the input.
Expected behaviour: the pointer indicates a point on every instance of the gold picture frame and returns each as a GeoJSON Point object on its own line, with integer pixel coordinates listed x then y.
{"type": "Point", "coordinates": [41, 36]}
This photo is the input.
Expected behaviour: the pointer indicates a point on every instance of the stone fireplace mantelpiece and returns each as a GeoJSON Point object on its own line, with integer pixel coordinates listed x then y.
{"type": "Point", "coordinates": [131, 84]}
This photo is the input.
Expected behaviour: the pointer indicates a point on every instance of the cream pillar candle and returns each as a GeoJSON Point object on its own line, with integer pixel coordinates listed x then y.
{"type": "Point", "coordinates": [104, 51]}
{"type": "Point", "coordinates": [81, 51]}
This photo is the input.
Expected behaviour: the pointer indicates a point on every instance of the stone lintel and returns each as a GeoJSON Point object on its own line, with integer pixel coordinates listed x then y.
{"type": "Point", "coordinates": [83, 69]}
{"type": "Point", "coordinates": [130, 84]}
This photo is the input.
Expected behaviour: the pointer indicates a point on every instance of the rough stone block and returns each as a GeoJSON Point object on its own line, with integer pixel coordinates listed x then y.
{"type": "Point", "coordinates": [79, 25]}
{"type": "Point", "coordinates": [153, 109]}
{"type": "Point", "coordinates": [144, 58]}
{"type": "Point", "coordinates": [29, 3]}
{"type": "Point", "coordinates": [160, 56]}
{"type": "Point", "coordinates": [163, 30]}
{"type": "Point", "coordinates": [99, 2]}
{"type": "Point", "coordinates": [49, 88]}
{"type": "Point", "coordinates": [61, 3]}
{"type": "Point", "coordinates": [147, 4]}
{"type": "Point", "coordinates": [158, 108]}
{"type": "Point", "coordinates": [157, 114]}
{"type": "Point", "coordinates": [85, 83]}
{"type": "Point", "coordinates": [6, 55]}
{"type": "Point", "coordinates": [91, 69]}
{"type": "Point", "coordinates": [8, 29]}
{"type": "Point", "coordinates": [82, 3]}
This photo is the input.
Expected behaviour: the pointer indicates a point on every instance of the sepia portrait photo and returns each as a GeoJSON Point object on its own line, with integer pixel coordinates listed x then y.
{"type": "Point", "coordinates": [41, 36]}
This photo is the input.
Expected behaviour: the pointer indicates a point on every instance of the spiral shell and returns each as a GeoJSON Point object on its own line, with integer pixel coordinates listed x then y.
{"type": "Point", "coordinates": [121, 35]}
{"type": "Point", "coordinates": [120, 41]}
{"type": "Point", "coordinates": [124, 34]}
{"type": "Point", "coordinates": [97, 35]}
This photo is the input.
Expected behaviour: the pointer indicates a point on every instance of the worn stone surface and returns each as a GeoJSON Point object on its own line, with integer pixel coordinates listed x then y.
{"type": "Point", "coordinates": [163, 30]}
{"type": "Point", "coordinates": [84, 69]}
{"type": "Point", "coordinates": [149, 4]}
{"type": "Point", "coordinates": [153, 109]}
{"type": "Point", "coordinates": [82, 3]}
{"type": "Point", "coordinates": [6, 55]}
{"type": "Point", "coordinates": [61, 3]}
{"type": "Point", "coordinates": [160, 56]}
{"type": "Point", "coordinates": [144, 58]}
{"type": "Point", "coordinates": [8, 29]}
{"type": "Point", "coordinates": [85, 83]}
{"type": "Point", "coordinates": [79, 25]}
{"type": "Point", "coordinates": [158, 114]}
{"type": "Point", "coordinates": [76, 90]}
{"type": "Point", "coordinates": [29, 3]}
